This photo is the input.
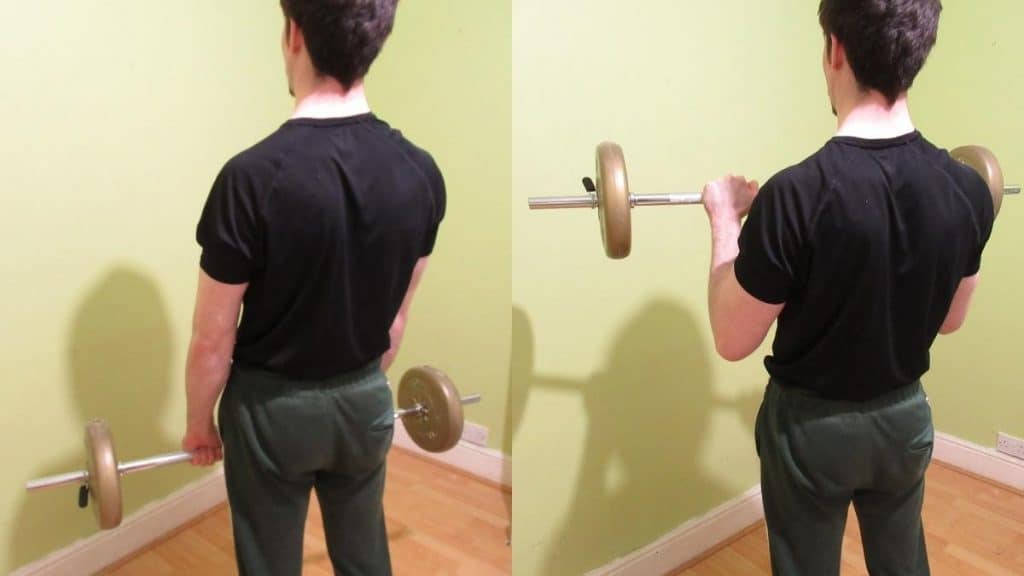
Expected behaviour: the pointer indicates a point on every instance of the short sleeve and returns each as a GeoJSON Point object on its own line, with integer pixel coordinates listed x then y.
{"type": "Point", "coordinates": [771, 243]}
{"type": "Point", "coordinates": [983, 217]}
{"type": "Point", "coordinates": [229, 229]}
{"type": "Point", "coordinates": [439, 197]}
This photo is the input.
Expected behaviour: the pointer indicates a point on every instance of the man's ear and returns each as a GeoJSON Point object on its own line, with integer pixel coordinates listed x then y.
{"type": "Point", "coordinates": [294, 39]}
{"type": "Point", "coordinates": [837, 53]}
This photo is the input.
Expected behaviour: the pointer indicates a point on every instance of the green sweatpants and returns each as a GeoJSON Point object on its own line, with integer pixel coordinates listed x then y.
{"type": "Point", "coordinates": [283, 439]}
{"type": "Point", "coordinates": [818, 456]}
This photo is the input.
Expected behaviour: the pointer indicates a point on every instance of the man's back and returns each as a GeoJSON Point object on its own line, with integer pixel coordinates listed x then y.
{"type": "Point", "coordinates": [866, 242]}
{"type": "Point", "coordinates": [325, 219]}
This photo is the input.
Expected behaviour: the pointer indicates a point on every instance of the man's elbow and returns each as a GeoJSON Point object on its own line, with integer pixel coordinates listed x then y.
{"type": "Point", "coordinates": [397, 329]}
{"type": "Point", "coordinates": [954, 320]}
{"type": "Point", "coordinates": [205, 345]}
{"type": "Point", "coordinates": [731, 350]}
{"type": "Point", "coordinates": [951, 325]}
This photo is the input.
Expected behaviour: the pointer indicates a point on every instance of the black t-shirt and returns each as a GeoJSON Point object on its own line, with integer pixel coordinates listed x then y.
{"type": "Point", "coordinates": [325, 219]}
{"type": "Point", "coordinates": [866, 243]}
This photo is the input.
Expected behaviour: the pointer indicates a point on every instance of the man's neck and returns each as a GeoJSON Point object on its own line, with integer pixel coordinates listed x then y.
{"type": "Point", "coordinates": [328, 99]}
{"type": "Point", "coordinates": [871, 117]}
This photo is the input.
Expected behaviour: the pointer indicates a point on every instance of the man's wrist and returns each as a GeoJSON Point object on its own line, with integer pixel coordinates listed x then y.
{"type": "Point", "coordinates": [199, 420]}
{"type": "Point", "coordinates": [725, 227]}
{"type": "Point", "coordinates": [725, 234]}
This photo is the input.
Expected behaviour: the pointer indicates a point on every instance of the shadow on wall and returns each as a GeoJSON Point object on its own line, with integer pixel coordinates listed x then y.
{"type": "Point", "coordinates": [119, 355]}
{"type": "Point", "coordinates": [647, 411]}
{"type": "Point", "coordinates": [519, 374]}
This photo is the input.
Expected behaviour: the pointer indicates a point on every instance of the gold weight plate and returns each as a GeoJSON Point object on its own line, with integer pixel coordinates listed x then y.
{"type": "Point", "coordinates": [104, 480]}
{"type": "Point", "coordinates": [439, 427]}
{"type": "Point", "coordinates": [984, 162]}
{"type": "Point", "coordinates": [613, 204]}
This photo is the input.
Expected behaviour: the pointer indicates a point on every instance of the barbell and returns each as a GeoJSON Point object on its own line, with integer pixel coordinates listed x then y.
{"type": "Point", "coordinates": [609, 193]}
{"type": "Point", "coordinates": [429, 406]}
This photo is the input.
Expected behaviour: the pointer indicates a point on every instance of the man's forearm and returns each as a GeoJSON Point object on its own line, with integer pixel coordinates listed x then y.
{"type": "Point", "coordinates": [724, 250]}
{"type": "Point", "coordinates": [206, 374]}
{"type": "Point", "coordinates": [397, 330]}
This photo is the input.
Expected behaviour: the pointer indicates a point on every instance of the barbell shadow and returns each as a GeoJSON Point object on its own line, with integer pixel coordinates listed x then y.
{"type": "Point", "coordinates": [520, 370]}
{"type": "Point", "coordinates": [119, 355]}
{"type": "Point", "coordinates": [648, 410]}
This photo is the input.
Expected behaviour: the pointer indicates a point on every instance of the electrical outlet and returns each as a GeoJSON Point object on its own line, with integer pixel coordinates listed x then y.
{"type": "Point", "coordinates": [474, 433]}
{"type": "Point", "coordinates": [1009, 445]}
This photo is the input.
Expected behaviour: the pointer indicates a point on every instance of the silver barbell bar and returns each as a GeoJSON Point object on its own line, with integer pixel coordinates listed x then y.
{"type": "Point", "coordinates": [589, 200]}
{"type": "Point", "coordinates": [133, 466]}
{"type": "Point", "coordinates": [123, 469]}
{"type": "Point", "coordinates": [419, 408]}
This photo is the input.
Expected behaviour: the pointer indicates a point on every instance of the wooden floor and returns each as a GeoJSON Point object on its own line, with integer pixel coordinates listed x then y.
{"type": "Point", "coordinates": [971, 527]}
{"type": "Point", "coordinates": [439, 522]}
{"type": "Point", "coordinates": [443, 522]}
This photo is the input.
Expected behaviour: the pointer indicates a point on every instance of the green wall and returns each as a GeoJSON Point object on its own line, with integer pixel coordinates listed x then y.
{"type": "Point", "coordinates": [628, 423]}
{"type": "Point", "coordinates": [599, 376]}
{"type": "Point", "coordinates": [444, 79]}
{"type": "Point", "coordinates": [971, 93]}
{"type": "Point", "coordinates": [119, 115]}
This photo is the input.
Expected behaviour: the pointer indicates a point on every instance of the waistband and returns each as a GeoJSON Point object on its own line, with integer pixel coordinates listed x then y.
{"type": "Point", "coordinates": [256, 377]}
{"type": "Point", "coordinates": [809, 399]}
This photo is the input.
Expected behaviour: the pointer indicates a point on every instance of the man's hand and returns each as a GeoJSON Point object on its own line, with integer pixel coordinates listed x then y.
{"type": "Point", "coordinates": [728, 199]}
{"type": "Point", "coordinates": [203, 441]}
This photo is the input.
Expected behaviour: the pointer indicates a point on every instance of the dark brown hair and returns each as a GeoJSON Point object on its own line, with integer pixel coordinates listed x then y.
{"type": "Point", "coordinates": [887, 41]}
{"type": "Point", "coordinates": [343, 37]}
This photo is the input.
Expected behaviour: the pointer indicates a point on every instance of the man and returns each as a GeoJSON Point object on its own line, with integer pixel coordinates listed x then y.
{"type": "Point", "coordinates": [323, 230]}
{"type": "Point", "coordinates": [864, 252]}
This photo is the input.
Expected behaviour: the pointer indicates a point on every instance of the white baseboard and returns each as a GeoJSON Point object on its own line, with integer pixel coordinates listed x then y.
{"type": "Point", "coordinates": [691, 540]}
{"type": "Point", "coordinates": [980, 461]}
{"type": "Point", "coordinates": [484, 463]}
{"type": "Point", "coordinates": [148, 524]}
